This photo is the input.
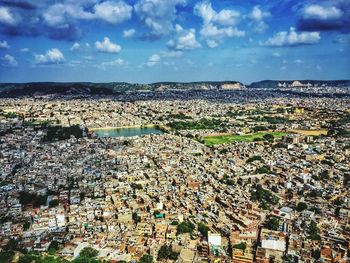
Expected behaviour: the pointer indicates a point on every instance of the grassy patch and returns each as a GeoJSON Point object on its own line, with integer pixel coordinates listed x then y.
{"type": "Point", "coordinates": [212, 140]}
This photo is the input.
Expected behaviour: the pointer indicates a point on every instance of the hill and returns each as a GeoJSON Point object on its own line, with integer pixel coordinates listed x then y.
{"type": "Point", "coordinates": [88, 88]}
{"type": "Point", "coordinates": [267, 84]}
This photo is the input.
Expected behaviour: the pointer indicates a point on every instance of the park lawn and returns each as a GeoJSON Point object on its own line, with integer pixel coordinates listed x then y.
{"type": "Point", "coordinates": [220, 139]}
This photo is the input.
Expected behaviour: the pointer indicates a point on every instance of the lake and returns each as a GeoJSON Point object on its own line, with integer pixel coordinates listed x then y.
{"type": "Point", "coordinates": [127, 132]}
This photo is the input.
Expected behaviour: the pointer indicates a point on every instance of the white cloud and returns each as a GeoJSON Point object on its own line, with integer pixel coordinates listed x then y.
{"type": "Point", "coordinates": [212, 43]}
{"type": "Point", "coordinates": [298, 61]}
{"type": "Point", "coordinates": [215, 35]}
{"type": "Point", "coordinates": [276, 54]}
{"type": "Point", "coordinates": [158, 15]}
{"type": "Point", "coordinates": [129, 33]}
{"type": "Point", "coordinates": [227, 17]}
{"type": "Point", "coordinates": [257, 15]}
{"type": "Point", "coordinates": [57, 14]}
{"type": "Point", "coordinates": [153, 60]}
{"type": "Point", "coordinates": [107, 46]}
{"type": "Point", "coordinates": [293, 38]}
{"type": "Point", "coordinates": [24, 49]}
{"type": "Point", "coordinates": [117, 62]}
{"type": "Point", "coordinates": [185, 39]}
{"type": "Point", "coordinates": [4, 44]}
{"type": "Point", "coordinates": [260, 27]}
{"type": "Point", "coordinates": [205, 10]}
{"type": "Point", "coordinates": [217, 25]}
{"type": "Point", "coordinates": [9, 61]}
{"type": "Point", "coordinates": [157, 58]}
{"type": "Point", "coordinates": [113, 12]}
{"type": "Point", "coordinates": [52, 56]}
{"type": "Point", "coordinates": [212, 31]}
{"type": "Point", "coordinates": [109, 11]}
{"type": "Point", "coordinates": [75, 46]}
{"type": "Point", "coordinates": [6, 16]}
{"type": "Point", "coordinates": [321, 12]}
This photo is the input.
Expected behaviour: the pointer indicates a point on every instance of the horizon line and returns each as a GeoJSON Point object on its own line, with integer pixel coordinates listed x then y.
{"type": "Point", "coordinates": [182, 82]}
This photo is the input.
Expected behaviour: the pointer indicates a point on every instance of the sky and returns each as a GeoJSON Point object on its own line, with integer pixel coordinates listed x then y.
{"type": "Point", "coordinates": [145, 41]}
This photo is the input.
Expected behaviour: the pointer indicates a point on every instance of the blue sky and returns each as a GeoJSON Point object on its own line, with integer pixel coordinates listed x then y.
{"type": "Point", "coordinates": [146, 41]}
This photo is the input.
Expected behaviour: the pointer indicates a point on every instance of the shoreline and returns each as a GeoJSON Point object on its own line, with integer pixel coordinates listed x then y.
{"type": "Point", "coordinates": [120, 127]}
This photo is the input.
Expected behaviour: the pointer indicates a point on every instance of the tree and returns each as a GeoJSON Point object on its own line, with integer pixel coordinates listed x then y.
{"type": "Point", "coordinates": [273, 223]}
{"type": "Point", "coordinates": [331, 132]}
{"type": "Point", "coordinates": [289, 259]}
{"type": "Point", "coordinates": [136, 218]}
{"type": "Point", "coordinates": [314, 231]}
{"type": "Point", "coordinates": [26, 224]}
{"type": "Point", "coordinates": [26, 198]}
{"type": "Point", "coordinates": [53, 203]}
{"type": "Point", "coordinates": [241, 246]}
{"type": "Point", "coordinates": [314, 193]}
{"type": "Point", "coordinates": [53, 247]}
{"type": "Point", "coordinates": [263, 170]}
{"type": "Point", "coordinates": [269, 137]}
{"type": "Point", "coordinates": [12, 245]}
{"type": "Point", "coordinates": [166, 252]}
{"type": "Point", "coordinates": [337, 211]}
{"type": "Point", "coordinates": [185, 227]}
{"type": "Point", "coordinates": [316, 210]}
{"type": "Point", "coordinates": [51, 259]}
{"type": "Point", "coordinates": [315, 177]}
{"type": "Point", "coordinates": [6, 256]}
{"type": "Point", "coordinates": [346, 180]}
{"type": "Point", "coordinates": [259, 128]}
{"type": "Point", "coordinates": [223, 151]}
{"type": "Point", "coordinates": [88, 252]}
{"type": "Point", "coordinates": [29, 258]}
{"type": "Point", "coordinates": [62, 133]}
{"type": "Point", "coordinates": [264, 196]}
{"type": "Point", "coordinates": [301, 206]}
{"type": "Point", "coordinates": [324, 175]}
{"type": "Point", "coordinates": [254, 158]}
{"type": "Point", "coordinates": [39, 258]}
{"type": "Point", "coordinates": [279, 145]}
{"type": "Point", "coordinates": [146, 258]}
{"type": "Point", "coordinates": [203, 229]}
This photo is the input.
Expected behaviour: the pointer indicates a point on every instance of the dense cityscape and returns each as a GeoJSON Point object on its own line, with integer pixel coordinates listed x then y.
{"type": "Point", "coordinates": [174, 131]}
{"type": "Point", "coordinates": [244, 176]}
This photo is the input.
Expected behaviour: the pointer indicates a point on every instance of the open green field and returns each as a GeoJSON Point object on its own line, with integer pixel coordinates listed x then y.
{"type": "Point", "coordinates": [212, 140]}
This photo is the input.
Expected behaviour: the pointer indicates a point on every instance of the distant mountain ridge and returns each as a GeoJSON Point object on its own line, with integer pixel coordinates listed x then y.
{"type": "Point", "coordinates": [274, 83]}
{"type": "Point", "coordinates": [90, 88]}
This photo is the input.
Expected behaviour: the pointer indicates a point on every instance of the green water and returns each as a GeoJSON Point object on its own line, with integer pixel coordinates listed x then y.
{"type": "Point", "coordinates": [127, 132]}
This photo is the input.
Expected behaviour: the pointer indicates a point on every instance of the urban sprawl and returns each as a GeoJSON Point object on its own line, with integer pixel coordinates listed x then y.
{"type": "Point", "coordinates": [248, 178]}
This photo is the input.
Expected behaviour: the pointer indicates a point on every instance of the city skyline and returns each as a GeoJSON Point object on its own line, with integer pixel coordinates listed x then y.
{"type": "Point", "coordinates": [148, 41]}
